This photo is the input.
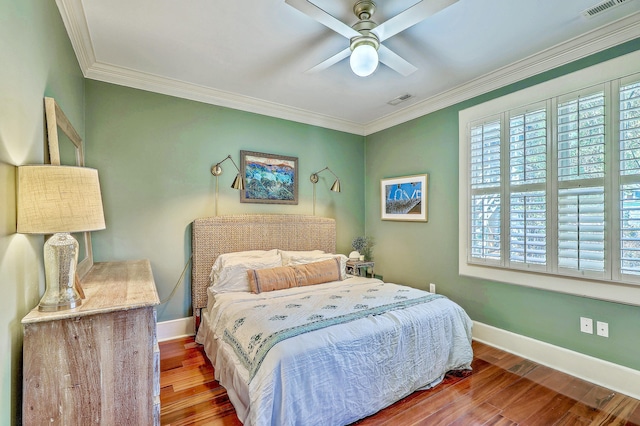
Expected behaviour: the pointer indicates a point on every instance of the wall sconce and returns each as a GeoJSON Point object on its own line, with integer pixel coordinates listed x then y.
{"type": "Point", "coordinates": [314, 179]}
{"type": "Point", "coordinates": [238, 182]}
{"type": "Point", "coordinates": [59, 200]}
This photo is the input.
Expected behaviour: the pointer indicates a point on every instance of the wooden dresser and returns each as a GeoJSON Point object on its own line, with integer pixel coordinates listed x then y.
{"type": "Point", "coordinates": [99, 363]}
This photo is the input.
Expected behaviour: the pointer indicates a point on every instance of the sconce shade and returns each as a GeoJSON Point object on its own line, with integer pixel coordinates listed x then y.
{"type": "Point", "coordinates": [336, 186]}
{"type": "Point", "coordinates": [238, 183]}
{"type": "Point", "coordinates": [55, 199]}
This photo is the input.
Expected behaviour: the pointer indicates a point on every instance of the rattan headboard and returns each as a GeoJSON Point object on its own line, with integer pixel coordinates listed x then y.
{"type": "Point", "coordinates": [213, 236]}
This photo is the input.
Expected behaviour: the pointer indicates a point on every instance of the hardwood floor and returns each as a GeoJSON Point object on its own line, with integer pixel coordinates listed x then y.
{"type": "Point", "coordinates": [504, 389]}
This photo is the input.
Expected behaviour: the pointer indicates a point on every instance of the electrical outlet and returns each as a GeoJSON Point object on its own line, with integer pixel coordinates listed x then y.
{"type": "Point", "coordinates": [602, 328]}
{"type": "Point", "coordinates": [586, 325]}
{"type": "Point", "coordinates": [432, 288]}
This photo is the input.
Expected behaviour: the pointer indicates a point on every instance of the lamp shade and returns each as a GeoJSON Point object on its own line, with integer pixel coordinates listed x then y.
{"type": "Point", "coordinates": [58, 199]}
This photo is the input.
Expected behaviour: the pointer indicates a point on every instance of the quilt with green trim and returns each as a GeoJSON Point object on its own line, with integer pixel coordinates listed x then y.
{"type": "Point", "coordinates": [255, 327]}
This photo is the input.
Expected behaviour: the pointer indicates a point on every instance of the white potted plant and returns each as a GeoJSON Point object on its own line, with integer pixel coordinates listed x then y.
{"type": "Point", "coordinates": [364, 247]}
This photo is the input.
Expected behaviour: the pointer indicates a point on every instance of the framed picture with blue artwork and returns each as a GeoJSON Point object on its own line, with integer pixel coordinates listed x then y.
{"type": "Point", "coordinates": [269, 178]}
{"type": "Point", "coordinates": [405, 198]}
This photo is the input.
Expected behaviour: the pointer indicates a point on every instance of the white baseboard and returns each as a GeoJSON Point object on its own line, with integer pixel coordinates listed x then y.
{"type": "Point", "coordinates": [604, 373]}
{"type": "Point", "coordinates": [175, 329]}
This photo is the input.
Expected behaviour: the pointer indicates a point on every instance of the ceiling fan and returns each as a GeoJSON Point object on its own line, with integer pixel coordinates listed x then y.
{"type": "Point", "coordinates": [366, 36]}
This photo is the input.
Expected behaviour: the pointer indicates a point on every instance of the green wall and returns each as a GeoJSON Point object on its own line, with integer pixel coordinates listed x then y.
{"type": "Point", "coordinates": [155, 152]}
{"type": "Point", "coordinates": [421, 253]}
{"type": "Point", "coordinates": [37, 61]}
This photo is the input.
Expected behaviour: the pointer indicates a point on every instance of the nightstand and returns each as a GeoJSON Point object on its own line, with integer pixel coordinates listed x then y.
{"type": "Point", "coordinates": [98, 363]}
{"type": "Point", "coordinates": [360, 268]}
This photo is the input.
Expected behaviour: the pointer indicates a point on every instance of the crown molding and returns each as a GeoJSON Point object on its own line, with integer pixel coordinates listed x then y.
{"type": "Point", "coordinates": [613, 34]}
{"type": "Point", "coordinates": [75, 22]}
{"type": "Point", "coordinates": [602, 38]}
{"type": "Point", "coordinates": [153, 83]}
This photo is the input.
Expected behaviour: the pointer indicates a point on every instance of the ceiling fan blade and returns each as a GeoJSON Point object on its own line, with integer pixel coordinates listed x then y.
{"type": "Point", "coordinates": [332, 60]}
{"type": "Point", "coordinates": [323, 17]}
{"type": "Point", "coordinates": [416, 13]}
{"type": "Point", "coordinates": [395, 62]}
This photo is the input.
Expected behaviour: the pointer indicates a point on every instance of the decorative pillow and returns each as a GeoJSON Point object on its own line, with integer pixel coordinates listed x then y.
{"type": "Point", "coordinates": [233, 275]}
{"type": "Point", "coordinates": [305, 259]}
{"type": "Point", "coordinates": [272, 279]}
{"type": "Point", "coordinates": [318, 272]}
{"type": "Point", "coordinates": [284, 277]}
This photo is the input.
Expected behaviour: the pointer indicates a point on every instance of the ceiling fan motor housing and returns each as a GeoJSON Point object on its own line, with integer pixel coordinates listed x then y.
{"type": "Point", "coordinates": [364, 10]}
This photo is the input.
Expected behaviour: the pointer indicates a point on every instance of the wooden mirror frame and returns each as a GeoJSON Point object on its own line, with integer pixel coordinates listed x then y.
{"type": "Point", "coordinates": [56, 119]}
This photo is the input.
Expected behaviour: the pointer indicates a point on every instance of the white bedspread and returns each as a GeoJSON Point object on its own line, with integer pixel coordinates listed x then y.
{"type": "Point", "coordinates": [341, 373]}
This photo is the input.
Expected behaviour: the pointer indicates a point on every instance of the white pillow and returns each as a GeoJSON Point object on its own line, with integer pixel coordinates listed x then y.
{"type": "Point", "coordinates": [229, 271]}
{"type": "Point", "coordinates": [311, 258]}
{"type": "Point", "coordinates": [288, 254]}
{"type": "Point", "coordinates": [238, 257]}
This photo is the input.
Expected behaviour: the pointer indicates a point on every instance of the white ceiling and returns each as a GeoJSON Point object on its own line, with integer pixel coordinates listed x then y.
{"type": "Point", "coordinates": [252, 55]}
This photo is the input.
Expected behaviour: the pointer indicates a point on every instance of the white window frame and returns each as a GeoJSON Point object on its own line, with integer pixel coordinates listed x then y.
{"type": "Point", "coordinates": [614, 69]}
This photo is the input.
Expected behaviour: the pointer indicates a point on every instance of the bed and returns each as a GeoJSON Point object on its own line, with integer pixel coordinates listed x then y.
{"type": "Point", "coordinates": [328, 353]}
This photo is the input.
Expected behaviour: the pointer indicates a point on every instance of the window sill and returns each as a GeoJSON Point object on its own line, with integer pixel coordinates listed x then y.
{"type": "Point", "coordinates": [627, 294]}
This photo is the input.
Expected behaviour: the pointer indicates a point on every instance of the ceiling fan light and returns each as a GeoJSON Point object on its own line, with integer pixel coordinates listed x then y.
{"type": "Point", "coordinates": [364, 60]}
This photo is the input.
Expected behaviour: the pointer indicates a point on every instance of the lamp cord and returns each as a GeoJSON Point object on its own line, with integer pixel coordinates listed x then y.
{"type": "Point", "coordinates": [162, 302]}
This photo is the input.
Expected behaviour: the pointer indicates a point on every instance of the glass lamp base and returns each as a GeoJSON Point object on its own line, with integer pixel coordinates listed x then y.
{"type": "Point", "coordinates": [60, 261]}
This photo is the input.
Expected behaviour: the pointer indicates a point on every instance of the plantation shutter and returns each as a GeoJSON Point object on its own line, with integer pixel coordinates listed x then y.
{"type": "Point", "coordinates": [630, 178]}
{"type": "Point", "coordinates": [581, 188]}
{"type": "Point", "coordinates": [485, 211]}
{"type": "Point", "coordinates": [527, 177]}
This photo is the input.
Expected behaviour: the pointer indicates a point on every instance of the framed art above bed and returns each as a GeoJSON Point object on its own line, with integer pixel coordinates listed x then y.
{"type": "Point", "coordinates": [269, 178]}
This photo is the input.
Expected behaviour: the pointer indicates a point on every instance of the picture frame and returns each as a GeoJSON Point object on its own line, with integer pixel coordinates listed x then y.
{"type": "Point", "coordinates": [405, 198]}
{"type": "Point", "coordinates": [269, 178]}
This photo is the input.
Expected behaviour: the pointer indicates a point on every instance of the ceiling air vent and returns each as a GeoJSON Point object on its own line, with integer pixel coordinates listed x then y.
{"type": "Point", "coordinates": [399, 99]}
{"type": "Point", "coordinates": [601, 7]}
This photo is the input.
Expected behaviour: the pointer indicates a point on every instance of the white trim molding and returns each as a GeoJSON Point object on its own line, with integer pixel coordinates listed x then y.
{"type": "Point", "coordinates": [595, 41]}
{"type": "Point", "coordinates": [175, 329]}
{"type": "Point", "coordinates": [600, 372]}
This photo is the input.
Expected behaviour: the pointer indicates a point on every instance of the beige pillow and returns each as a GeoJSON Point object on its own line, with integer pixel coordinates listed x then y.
{"type": "Point", "coordinates": [318, 272]}
{"type": "Point", "coordinates": [306, 259]}
{"type": "Point", "coordinates": [283, 277]}
{"type": "Point", "coordinates": [272, 279]}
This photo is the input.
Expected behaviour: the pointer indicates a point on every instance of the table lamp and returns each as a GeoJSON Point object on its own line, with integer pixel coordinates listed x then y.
{"type": "Point", "coordinates": [59, 200]}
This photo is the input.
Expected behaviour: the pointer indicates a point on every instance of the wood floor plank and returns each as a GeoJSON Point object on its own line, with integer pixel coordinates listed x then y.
{"type": "Point", "coordinates": [499, 420]}
{"type": "Point", "coordinates": [503, 390]}
{"type": "Point", "coordinates": [572, 419]}
{"type": "Point", "coordinates": [528, 404]}
{"type": "Point", "coordinates": [552, 412]}
{"type": "Point", "coordinates": [477, 415]}
{"type": "Point", "coordinates": [618, 410]}
{"type": "Point", "coordinates": [169, 396]}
